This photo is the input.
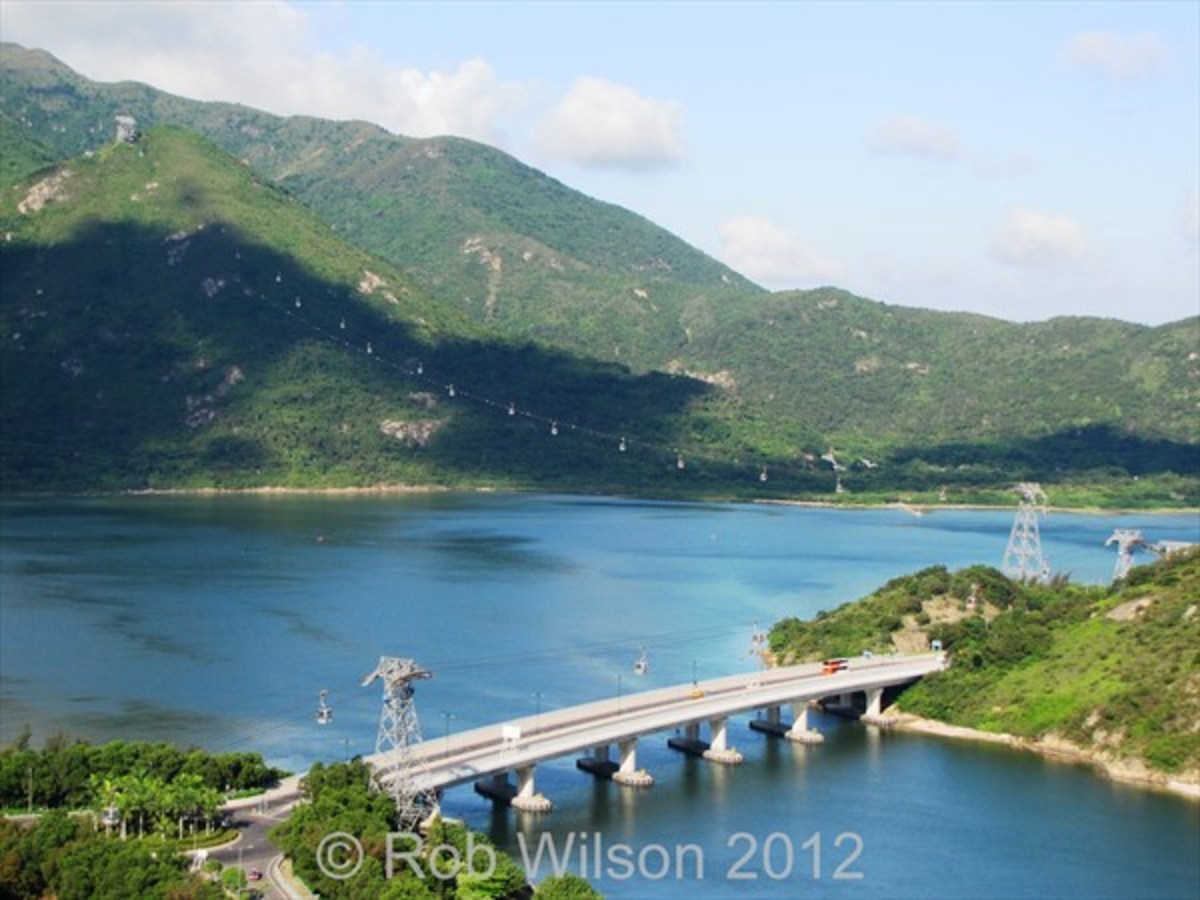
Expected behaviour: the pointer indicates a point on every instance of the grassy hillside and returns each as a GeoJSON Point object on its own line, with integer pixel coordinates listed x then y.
{"type": "Point", "coordinates": [20, 153]}
{"type": "Point", "coordinates": [912, 401]}
{"type": "Point", "coordinates": [967, 400]}
{"type": "Point", "coordinates": [908, 373]}
{"type": "Point", "coordinates": [504, 242]}
{"type": "Point", "coordinates": [1115, 670]}
{"type": "Point", "coordinates": [169, 319]}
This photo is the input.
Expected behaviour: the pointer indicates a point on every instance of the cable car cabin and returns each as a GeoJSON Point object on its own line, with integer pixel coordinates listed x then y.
{"type": "Point", "coordinates": [324, 711]}
{"type": "Point", "coordinates": [641, 666]}
{"type": "Point", "coordinates": [833, 666]}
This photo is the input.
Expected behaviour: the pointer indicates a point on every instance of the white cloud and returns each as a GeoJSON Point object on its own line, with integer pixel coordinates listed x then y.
{"type": "Point", "coordinates": [1120, 57]}
{"type": "Point", "coordinates": [1031, 238]}
{"type": "Point", "coordinates": [598, 123]}
{"type": "Point", "coordinates": [773, 256]}
{"type": "Point", "coordinates": [909, 136]}
{"type": "Point", "coordinates": [262, 54]}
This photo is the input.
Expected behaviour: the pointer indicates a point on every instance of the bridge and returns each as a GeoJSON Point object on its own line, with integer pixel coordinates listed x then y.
{"type": "Point", "coordinates": [487, 756]}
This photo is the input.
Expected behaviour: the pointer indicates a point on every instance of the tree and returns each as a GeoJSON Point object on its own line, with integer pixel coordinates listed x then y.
{"type": "Point", "coordinates": [566, 887]}
{"type": "Point", "coordinates": [107, 800]}
{"type": "Point", "coordinates": [140, 790]}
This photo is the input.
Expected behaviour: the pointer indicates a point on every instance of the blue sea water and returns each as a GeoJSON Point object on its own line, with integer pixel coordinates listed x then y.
{"type": "Point", "coordinates": [216, 621]}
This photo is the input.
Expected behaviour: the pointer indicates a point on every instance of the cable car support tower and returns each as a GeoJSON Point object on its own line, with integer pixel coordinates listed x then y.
{"type": "Point", "coordinates": [399, 733]}
{"type": "Point", "coordinates": [1023, 559]}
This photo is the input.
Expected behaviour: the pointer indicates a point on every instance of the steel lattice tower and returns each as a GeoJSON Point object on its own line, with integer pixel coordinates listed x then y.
{"type": "Point", "coordinates": [399, 732]}
{"type": "Point", "coordinates": [1127, 541]}
{"type": "Point", "coordinates": [1023, 559]}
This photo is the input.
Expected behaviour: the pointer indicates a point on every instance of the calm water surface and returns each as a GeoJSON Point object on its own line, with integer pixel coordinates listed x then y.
{"type": "Point", "coordinates": [217, 620]}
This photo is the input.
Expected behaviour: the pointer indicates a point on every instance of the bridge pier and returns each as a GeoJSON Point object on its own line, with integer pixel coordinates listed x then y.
{"type": "Point", "coordinates": [626, 773]}
{"type": "Point", "coordinates": [598, 763]}
{"type": "Point", "coordinates": [874, 714]}
{"type": "Point", "coordinates": [497, 788]}
{"type": "Point", "coordinates": [522, 796]}
{"type": "Point", "coordinates": [718, 748]}
{"type": "Point", "coordinates": [771, 723]}
{"type": "Point", "coordinates": [629, 774]}
{"type": "Point", "coordinates": [690, 743]}
{"type": "Point", "coordinates": [840, 705]}
{"type": "Point", "coordinates": [800, 732]}
{"type": "Point", "coordinates": [527, 798]}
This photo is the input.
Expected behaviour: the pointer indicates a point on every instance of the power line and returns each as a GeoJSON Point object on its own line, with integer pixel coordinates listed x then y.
{"type": "Point", "coordinates": [555, 425]}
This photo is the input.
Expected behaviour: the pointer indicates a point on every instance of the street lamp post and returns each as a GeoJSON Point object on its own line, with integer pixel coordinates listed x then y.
{"type": "Point", "coordinates": [446, 717]}
{"type": "Point", "coordinates": [537, 715]}
{"type": "Point", "coordinates": [618, 693]}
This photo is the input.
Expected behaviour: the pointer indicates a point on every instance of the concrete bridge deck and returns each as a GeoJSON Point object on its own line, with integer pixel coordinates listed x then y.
{"type": "Point", "coordinates": [518, 745]}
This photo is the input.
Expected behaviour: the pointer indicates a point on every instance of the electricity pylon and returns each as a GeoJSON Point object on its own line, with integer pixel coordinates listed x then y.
{"type": "Point", "coordinates": [399, 733]}
{"type": "Point", "coordinates": [1023, 559]}
{"type": "Point", "coordinates": [1127, 541]}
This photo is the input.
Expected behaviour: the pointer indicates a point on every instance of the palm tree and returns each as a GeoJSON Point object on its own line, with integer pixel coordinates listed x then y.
{"type": "Point", "coordinates": [139, 790]}
{"type": "Point", "coordinates": [188, 790]}
{"type": "Point", "coordinates": [107, 795]}
{"type": "Point", "coordinates": [162, 808]}
{"type": "Point", "coordinates": [210, 805]}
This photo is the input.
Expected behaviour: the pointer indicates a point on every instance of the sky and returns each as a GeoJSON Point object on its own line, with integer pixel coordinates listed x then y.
{"type": "Point", "coordinates": [1020, 160]}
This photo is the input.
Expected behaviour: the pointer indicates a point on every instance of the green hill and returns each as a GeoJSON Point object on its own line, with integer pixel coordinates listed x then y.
{"type": "Point", "coordinates": [912, 401]}
{"type": "Point", "coordinates": [906, 373]}
{"type": "Point", "coordinates": [966, 399]}
{"type": "Point", "coordinates": [1115, 671]}
{"type": "Point", "coordinates": [506, 243]}
{"type": "Point", "coordinates": [169, 319]}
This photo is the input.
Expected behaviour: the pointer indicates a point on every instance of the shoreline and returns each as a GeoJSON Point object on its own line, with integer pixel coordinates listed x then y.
{"type": "Point", "coordinates": [1131, 772]}
{"type": "Point", "coordinates": [915, 509]}
{"type": "Point", "coordinates": [286, 491]}
{"type": "Point", "coordinates": [922, 509]}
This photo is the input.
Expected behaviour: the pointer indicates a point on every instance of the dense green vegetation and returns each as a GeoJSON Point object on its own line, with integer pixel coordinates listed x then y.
{"type": "Point", "coordinates": [20, 153]}
{"type": "Point", "coordinates": [154, 340]}
{"type": "Point", "coordinates": [957, 391]}
{"type": "Point", "coordinates": [1115, 670]}
{"type": "Point", "coordinates": [64, 857]}
{"type": "Point", "coordinates": [340, 799]}
{"type": "Point", "coordinates": [566, 887]}
{"type": "Point", "coordinates": [70, 775]}
{"type": "Point", "coordinates": [505, 283]}
{"type": "Point", "coordinates": [501, 241]}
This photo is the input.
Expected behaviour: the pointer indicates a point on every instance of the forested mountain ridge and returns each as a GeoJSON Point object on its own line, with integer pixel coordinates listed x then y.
{"type": "Point", "coordinates": [169, 319]}
{"type": "Point", "coordinates": [505, 242]}
{"type": "Point", "coordinates": [909, 374]}
{"type": "Point", "coordinates": [910, 400]}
